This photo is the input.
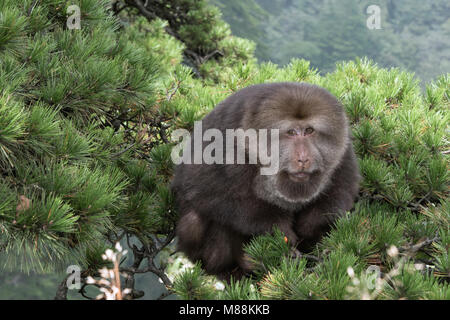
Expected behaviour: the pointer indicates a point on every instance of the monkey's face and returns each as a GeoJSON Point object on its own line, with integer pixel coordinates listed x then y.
{"type": "Point", "coordinates": [313, 136]}
{"type": "Point", "coordinates": [300, 158]}
{"type": "Point", "coordinates": [308, 156]}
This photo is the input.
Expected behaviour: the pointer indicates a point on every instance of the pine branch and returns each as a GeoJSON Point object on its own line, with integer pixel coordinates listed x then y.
{"type": "Point", "coordinates": [191, 54]}
{"type": "Point", "coordinates": [410, 250]}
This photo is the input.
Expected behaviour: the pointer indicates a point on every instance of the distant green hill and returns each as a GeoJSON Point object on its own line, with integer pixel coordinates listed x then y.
{"type": "Point", "coordinates": [414, 35]}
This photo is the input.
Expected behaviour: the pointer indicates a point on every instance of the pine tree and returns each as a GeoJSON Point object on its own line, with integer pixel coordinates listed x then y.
{"type": "Point", "coordinates": [75, 138]}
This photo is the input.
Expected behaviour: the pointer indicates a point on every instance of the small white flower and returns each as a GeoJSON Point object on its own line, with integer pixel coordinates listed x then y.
{"type": "Point", "coordinates": [392, 251]}
{"type": "Point", "coordinates": [90, 280]}
{"type": "Point", "coordinates": [109, 253]}
{"type": "Point", "coordinates": [219, 285]}
{"type": "Point", "coordinates": [115, 290]}
{"type": "Point", "coordinates": [104, 282]}
{"type": "Point", "coordinates": [118, 247]}
{"type": "Point", "coordinates": [419, 266]}
{"type": "Point", "coordinates": [104, 290]}
{"type": "Point", "coordinates": [104, 272]}
{"type": "Point", "coordinates": [110, 296]}
{"type": "Point", "coordinates": [126, 291]}
{"type": "Point", "coordinates": [351, 272]}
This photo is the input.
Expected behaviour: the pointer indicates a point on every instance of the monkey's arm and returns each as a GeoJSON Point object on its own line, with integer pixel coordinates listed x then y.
{"type": "Point", "coordinates": [232, 205]}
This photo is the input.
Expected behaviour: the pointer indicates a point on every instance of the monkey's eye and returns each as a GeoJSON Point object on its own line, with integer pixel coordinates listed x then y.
{"type": "Point", "coordinates": [309, 131]}
{"type": "Point", "coordinates": [292, 132]}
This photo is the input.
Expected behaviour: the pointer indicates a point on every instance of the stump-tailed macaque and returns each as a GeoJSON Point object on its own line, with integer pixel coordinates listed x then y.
{"type": "Point", "coordinates": [222, 204]}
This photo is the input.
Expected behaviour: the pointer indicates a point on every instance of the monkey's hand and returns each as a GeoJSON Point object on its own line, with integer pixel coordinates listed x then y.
{"type": "Point", "coordinates": [291, 237]}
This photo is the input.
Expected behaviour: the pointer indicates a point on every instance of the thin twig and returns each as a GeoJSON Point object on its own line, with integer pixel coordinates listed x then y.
{"type": "Point", "coordinates": [414, 248]}
{"type": "Point", "coordinates": [61, 292]}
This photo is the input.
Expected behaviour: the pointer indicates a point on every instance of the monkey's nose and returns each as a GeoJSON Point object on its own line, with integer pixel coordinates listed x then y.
{"type": "Point", "coordinates": [304, 163]}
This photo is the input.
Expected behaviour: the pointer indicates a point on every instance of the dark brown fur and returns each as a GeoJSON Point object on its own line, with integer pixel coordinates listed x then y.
{"type": "Point", "coordinates": [222, 206]}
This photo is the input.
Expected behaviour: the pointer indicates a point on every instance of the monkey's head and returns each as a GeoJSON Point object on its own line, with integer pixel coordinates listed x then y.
{"type": "Point", "coordinates": [313, 137]}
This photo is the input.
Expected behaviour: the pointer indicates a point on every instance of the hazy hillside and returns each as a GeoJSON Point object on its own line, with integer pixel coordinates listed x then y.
{"type": "Point", "coordinates": [414, 35]}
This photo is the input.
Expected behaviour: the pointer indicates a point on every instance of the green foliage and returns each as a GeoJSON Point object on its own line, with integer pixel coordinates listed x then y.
{"type": "Point", "coordinates": [265, 251]}
{"type": "Point", "coordinates": [194, 284]}
{"type": "Point", "coordinates": [63, 191]}
{"type": "Point", "coordinates": [286, 281]}
{"type": "Point", "coordinates": [409, 284]}
{"type": "Point", "coordinates": [247, 19]}
{"type": "Point", "coordinates": [85, 123]}
{"type": "Point", "coordinates": [350, 235]}
{"type": "Point", "coordinates": [209, 48]}
{"type": "Point", "coordinates": [333, 271]}
{"type": "Point", "coordinates": [243, 289]}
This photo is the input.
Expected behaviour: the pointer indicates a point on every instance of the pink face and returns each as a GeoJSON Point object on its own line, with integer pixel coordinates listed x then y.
{"type": "Point", "coordinates": [307, 148]}
{"type": "Point", "coordinates": [309, 152]}
{"type": "Point", "coordinates": [302, 159]}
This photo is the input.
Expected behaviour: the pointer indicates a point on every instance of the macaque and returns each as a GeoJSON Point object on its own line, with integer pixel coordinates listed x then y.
{"type": "Point", "coordinates": [314, 179]}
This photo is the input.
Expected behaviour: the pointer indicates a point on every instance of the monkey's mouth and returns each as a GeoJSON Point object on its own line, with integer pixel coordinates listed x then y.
{"type": "Point", "coordinates": [299, 176]}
